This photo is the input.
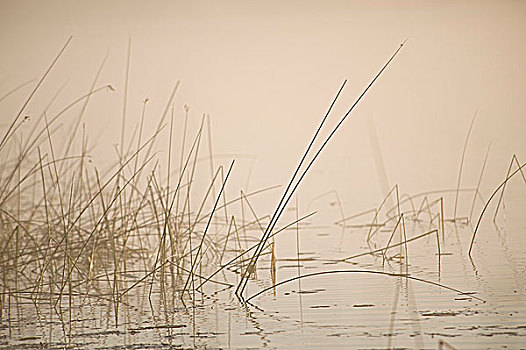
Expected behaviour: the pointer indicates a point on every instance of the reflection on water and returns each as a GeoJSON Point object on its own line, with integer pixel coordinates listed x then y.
{"type": "Point", "coordinates": [334, 310]}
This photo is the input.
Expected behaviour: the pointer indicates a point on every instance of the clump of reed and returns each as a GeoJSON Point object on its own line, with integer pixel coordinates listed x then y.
{"type": "Point", "coordinates": [71, 231]}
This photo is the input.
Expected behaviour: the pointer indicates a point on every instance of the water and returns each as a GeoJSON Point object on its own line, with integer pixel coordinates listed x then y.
{"type": "Point", "coordinates": [338, 310]}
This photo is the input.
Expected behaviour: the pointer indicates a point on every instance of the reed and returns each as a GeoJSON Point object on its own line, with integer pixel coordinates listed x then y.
{"type": "Point", "coordinates": [443, 345]}
{"type": "Point", "coordinates": [383, 273]}
{"type": "Point", "coordinates": [478, 182]}
{"type": "Point", "coordinates": [462, 164]}
{"type": "Point", "coordinates": [287, 195]}
{"type": "Point", "coordinates": [8, 133]}
{"type": "Point", "coordinates": [514, 160]}
{"type": "Point", "coordinates": [501, 186]}
{"type": "Point", "coordinates": [71, 232]}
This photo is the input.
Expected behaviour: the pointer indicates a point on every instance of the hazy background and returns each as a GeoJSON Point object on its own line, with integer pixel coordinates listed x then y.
{"type": "Point", "coordinates": [266, 72]}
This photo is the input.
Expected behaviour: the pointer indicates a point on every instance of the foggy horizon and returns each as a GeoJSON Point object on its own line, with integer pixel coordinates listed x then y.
{"type": "Point", "coordinates": [275, 67]}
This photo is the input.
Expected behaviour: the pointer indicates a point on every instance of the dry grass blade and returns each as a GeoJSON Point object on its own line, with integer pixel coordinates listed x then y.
{"type": "Point", "coordinates": [479, 181]}
{"type": "Point", "coordinates": [513, 158]}
{"type": "Point", "coordinates": [230, 262]}
{"type": "Point", "coordinates": [280, 207]}
{"type": "Point", "coordinates": [487, 204]}
{"type": "Point", "coordinates": [9, 93]}
{"type": "Point", "coordinates": [462, 164]}
{"type": "Point", "coordinates": [365, 272]}
{"type": "Point", "coordinates": [208, 225]}
{"type": "Point", "coordinates": [275, 218]}
{"type": "Point", "coordinates": [7, 134]}
{"type": "Point", "coordinates": [389, 246]}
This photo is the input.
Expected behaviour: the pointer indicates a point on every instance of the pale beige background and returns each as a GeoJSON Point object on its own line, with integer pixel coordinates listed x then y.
{"type": "Point", "coordinates": [266, 71]}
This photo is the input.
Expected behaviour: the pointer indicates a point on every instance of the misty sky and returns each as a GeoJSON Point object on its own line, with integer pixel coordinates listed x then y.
{"type": "Point", "coordinates": [266, 72]}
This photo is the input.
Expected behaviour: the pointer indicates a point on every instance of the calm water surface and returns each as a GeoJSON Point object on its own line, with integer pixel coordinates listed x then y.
{"type": "Point", "coordinates": [339, 310]}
